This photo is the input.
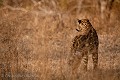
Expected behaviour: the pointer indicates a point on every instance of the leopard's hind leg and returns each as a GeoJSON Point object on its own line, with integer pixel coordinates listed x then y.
{"type": "Point", "coordinates": [95, 58]}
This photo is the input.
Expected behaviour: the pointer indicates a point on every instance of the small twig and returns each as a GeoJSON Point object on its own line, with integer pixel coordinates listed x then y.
{"type": "Point", "coordinates": [19, 9]}
{"type": "Point", "coordinates": [34, 2]}
{"type": "Point", "coordinates": [79, 6]}
{"type": "Point", "coordinates": [46, 11]}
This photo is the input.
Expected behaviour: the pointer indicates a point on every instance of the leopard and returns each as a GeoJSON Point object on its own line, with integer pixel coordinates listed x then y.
{"type": "Point", "coordinates": [84, 43]}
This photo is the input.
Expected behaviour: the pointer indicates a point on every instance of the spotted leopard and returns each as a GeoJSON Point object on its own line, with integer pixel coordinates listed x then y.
{"type": "Point", "coordinates": [83, 44]}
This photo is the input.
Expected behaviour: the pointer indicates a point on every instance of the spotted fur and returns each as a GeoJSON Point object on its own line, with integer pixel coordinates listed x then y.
{"type": "Point", "coordinates": [85, 43]}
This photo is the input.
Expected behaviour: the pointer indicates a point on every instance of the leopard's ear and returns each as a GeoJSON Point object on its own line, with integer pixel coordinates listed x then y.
{"type": "Point", "coordinates": [87, 20]}
{"type": "Point", "coordinates": [79, 21]}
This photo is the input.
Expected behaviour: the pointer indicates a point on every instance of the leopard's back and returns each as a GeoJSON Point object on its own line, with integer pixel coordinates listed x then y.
{"type": "Point", "coordinates": [89, 41]}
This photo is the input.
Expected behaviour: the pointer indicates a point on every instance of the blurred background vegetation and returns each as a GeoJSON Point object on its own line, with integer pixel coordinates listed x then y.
{"type": "Point", "coordinates": [35, 38]}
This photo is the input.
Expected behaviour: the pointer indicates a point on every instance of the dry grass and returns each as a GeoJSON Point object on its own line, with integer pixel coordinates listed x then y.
{"type": "Point", "coordinates": [36, 47]}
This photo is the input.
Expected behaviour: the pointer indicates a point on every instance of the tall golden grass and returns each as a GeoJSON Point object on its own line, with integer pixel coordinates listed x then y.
{"type": "Point", "coordinates": [36, 46]}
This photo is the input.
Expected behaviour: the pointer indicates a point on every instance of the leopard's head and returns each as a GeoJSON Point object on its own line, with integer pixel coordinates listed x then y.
{"type": "Point", "coordinates": [83, 25]}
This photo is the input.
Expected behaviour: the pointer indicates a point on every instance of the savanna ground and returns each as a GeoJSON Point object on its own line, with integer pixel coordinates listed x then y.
{"type": "Point", "coordinates": [35, 38]}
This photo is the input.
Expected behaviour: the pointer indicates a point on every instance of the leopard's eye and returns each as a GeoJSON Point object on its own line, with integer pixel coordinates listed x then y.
{"type": "Point", "coordinates": [82, 23]}
{"type": "Point", "coordinates": [87, 20]}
